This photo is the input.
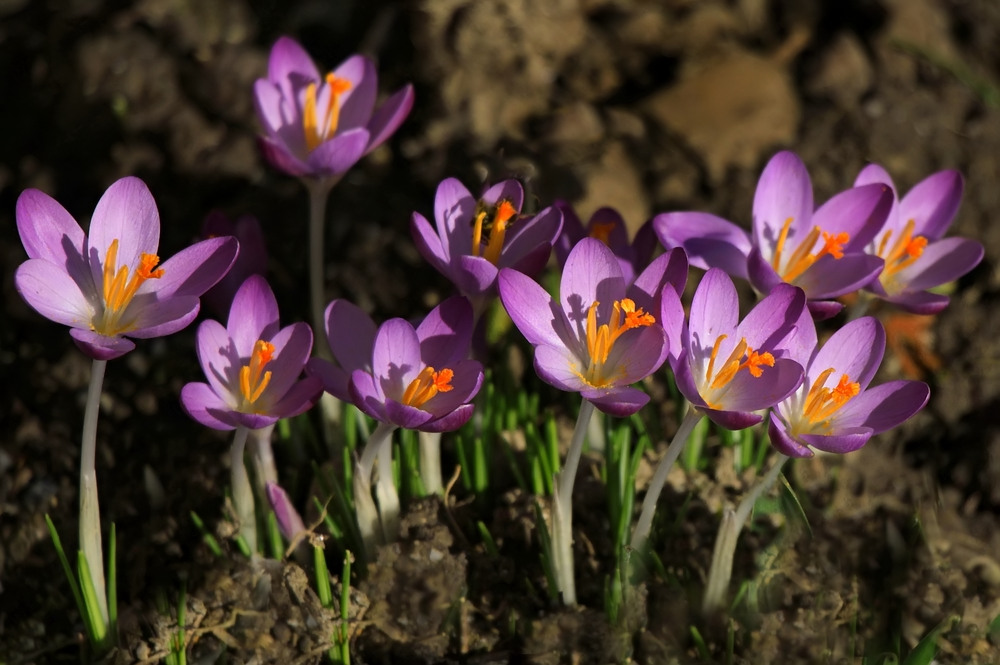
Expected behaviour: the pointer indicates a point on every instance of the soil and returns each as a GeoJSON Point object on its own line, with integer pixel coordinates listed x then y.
{"type": "Point", "coordinates": [643, 106]}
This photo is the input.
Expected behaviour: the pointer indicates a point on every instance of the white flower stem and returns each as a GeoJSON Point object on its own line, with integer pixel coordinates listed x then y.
{"type": "Point", "coordinates": [319, 192]}
{"type": "Point", "coordinates": [645, 523]}
{"type": "Point", "coordinates": [367, 513]}
{"type": "Point", "coordinates": [721, 570]}
{"type": "Point", "coordinates": [90, 512]}
{"type": "Point", "coordinates": [259, 441]}
{"type": "Point", "coordinates": [561, 529]}
{"type": "Point", "coordinates": [385, 492]}
{"type": "Point", "coordinates": [430, 461]}
{"type": "Point", "coordinates": [243, 499]}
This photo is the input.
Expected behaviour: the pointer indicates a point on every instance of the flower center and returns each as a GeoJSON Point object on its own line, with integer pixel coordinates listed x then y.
{"type": "Point", "coordinates": [120, 288]}
{"type": "Point", "coordinates": [716, 383]}
{"type": "Point", "coordinates": [899, 255]}
{"type": "Point", "coordinates": [822, 402]}
{"type": "Point", "coordinates": [601, 339]}
{"type": "Point", "coordinates": [427, 384]}
{"type": "Point", "coordinates": [803, 256]}
{"type": "Point", "coordinates": [602, 231]}
{"type": "Point", "coordinates": [495, 228]}
{"type": "Point", "coordinates": [320, 128]}
{"type": "Point", "coordinates": [253, 377]}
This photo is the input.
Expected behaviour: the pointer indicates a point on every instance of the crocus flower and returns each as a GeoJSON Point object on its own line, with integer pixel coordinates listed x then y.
{"type": "Point", "coordinates": [601, 336]}
{"type": "Point", "coordinates": [252, 365]}
{"type": "Point", "coordinates": [821, 251]}
{"type": "Point", "coordinates": [916, 257]}
{"type": "Point", "coordinates": [728, 368]}
{"type": "Point", "coordinates": [414, 378]}
{"type": "Point", "coordinates": [834, 409]}
{"type": "Point", "coordinates": [474, 239]}
{"type": "Point", "coordinates": [252, 259]}
{"type": "Point", "coordinates": [109, 286]}
{"type": "Point", "coordinates": [319, 126]}
{"type": "Point", "coordinates": [607, 226]}
{"type": "Point", "coordinates": [289, 521]}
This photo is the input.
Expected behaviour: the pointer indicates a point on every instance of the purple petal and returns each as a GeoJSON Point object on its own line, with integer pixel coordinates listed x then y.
{"type": "Point", "coordinates": [591, 274]}
{"type": "Point", "coordinates": [48, 232]}
{"type": "Point", "coordinates": [885, 406]}
{"type": "Point", "coordinates": [289, 521]}
{"type": "Point", "coordinates": [281, 158]}
{"type": "Point", "coordinates": [941, 262]}
{"type": "Point", "coordinates": [100, 347]}
{"type": "Point", "coordinates": [708, 240]}
{"type": "Point", "coordinates": [715, 309]}
{"type": "Point", "coordinates": [860, 212]}
{"type": "Point", "coordinates": [761, 272]}
{"type": "Point", "coordinates": [749, 393]}
{"type": "Point", "coordinates": [920, 302]}
{"type": "Point", "coordinates": [771, 320]}
{"type": "Point", "coordinates": [530, 263]}
{"type": "Point", "coordinates": [351, 333]}
{"type": "Point", "coordinates": [367, 395]}
{"type": "Point", "coordinates": [155, 318]}
{"type": "Point", "coordinates": [474, 277]}
{"type": "Point", "coordinates": [253, 315]}
{"type": "Point", "coordinates": [830, 277]}
{"type": "Point", "coordinates": [732, 420]}
{"type": "Point", "coordinates": [782, 441]}
{"type": "Point", "coordinates": [539, 318]}
{"type": "Point", "coordinates": [219, 360]}
{"type": "Point", "coordinates": [428, 243]}
{"type": "Point", "coordinates": [405, 416]}
{"type": "Point", "coordinates": [450, 422]}
{"type": "Point", "coordinates": [389, 116]}
{"type": "Point", "coordinates": [621, 402]}
{"type": "Point", "coordinates": [670, 269]}
{"type": "Point", "coordinates": [339, 154]}
{"type": "Point", "coordinates": [299, 398]}
{"type": "Point", "coordinates": [357, 104]}
{"type": "Point", "coordinates": [505, 190]}
{"type": "Point", "coordinates": [446, 332]}
{"type": "Point", "coordinates": [127, 213]}
{"type": "Point", "coordinates": [672, 318]}
{"type": "Point", "coordinates": [396, 357]}
{"type": "Point", "coordinates": [454, 212]}
{"type": "Point", "coordinates": [855, 350]}
{"type": "Point", "coordinates": [527, 236]}
{"type": "Point", "coordinates": [202, 404]}
{"type": "Point", "coordinates": [52, 293]}
{"type": "Point", "coordinates": [334, 379]}
{"type": "Point", "coordinates": [844, 441]}
{"type": "Point", "coordinates": [637, 354]}
{"type": "Point", "coordinates": [784, 191]}
{"type": "Point", "coordinates": [292, 346]}
{"type": "Point", "coordinates": [933, 203]}
{"type": "Point", "coordinates": [874, 174]}
{"type": "Point", "coordinates": [559, 367]}
{"type": "Point", "coordinates": [572, 231]}
{"type": "Point", "coordinates": [271, 106]}
{"type": "Point", "coordinates": [254, 420]}
{"type": "Point", "coordinates": [288, 60]}
{"type": "Point", "coordinates": [821, 310]}
{"type": "Point", "coordinates": [193, 271]}
{"type": "Point", "coordinates": [465, 384]}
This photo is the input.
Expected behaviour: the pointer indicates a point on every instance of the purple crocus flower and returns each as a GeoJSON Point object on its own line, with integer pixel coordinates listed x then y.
{"type": "Point", "coordinates": [600, 336]}
{"type": "Point", "coordinates": [834, 409]}
{"type": "Point", "coordinates": [916, 257]}
{"type": "Point", "coordinates": [252, 259]}
{"type": "Point", "coordinates": [252, 365]}
{"type": "Point", "coordinates": [821, 251]}
{"type": "Point", "coordinates": [414, 378]}
{"type": "Point", "coordinates": [319, 126]}
{"type": "Point", "coordinates": [473, 239]}
{"type": "Point", "coordinates": [108, 286]}
{"type": "Point", "coordinates": [607, 226]}
{"type": "Point", "coordinates": [728, 368]}
{"type": "Point", "coordinates": [289, 521]}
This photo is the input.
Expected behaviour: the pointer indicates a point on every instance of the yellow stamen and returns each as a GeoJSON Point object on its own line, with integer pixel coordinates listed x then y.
{"type": "Point", "coordinates": [601, 338]}
{"type": "Point", "coordinates": [503, 214]}
{"type": "Point", "coordinates": [253, 378]}
{"type": "Point", "coordinates": [822, 402]}
{"type": "Point", "coordinates": [901, 254]}
{"type": "Point", "coordinates": [741, 357]}
{"type": "Point", "coordinates": [119, 288]}
{"type": "Point", "coordinates": [316, 131]}
{"type": "Point", "coordinates": [427, 384]}
{"type": "Point", "coordinates": [803, 256]}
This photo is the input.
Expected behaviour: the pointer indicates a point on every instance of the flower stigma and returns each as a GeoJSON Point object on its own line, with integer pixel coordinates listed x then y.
{"type": "Point", "coordinates": [253, 378]}
{"type": "Point", "coordinates": [803, 257]}
{"type": "Point", "coordinates": [602, 231]}
{"type": "Point", "coordinates": [496, 229]}
{"type": "Point", "coordinates": [314, 133]}
{"type": "Point", "coordinates": [601, 339]}
{"type": "Point", "coordinates": [427, 384]}
{"type": "Point", "coordinates": [717, 383]}
{"type": "Point", "coordinates": [822, 402]}
{"type": "Point", "coordinates": [120, 288]}
{"type": "Point", "coordinates": [901, 254]}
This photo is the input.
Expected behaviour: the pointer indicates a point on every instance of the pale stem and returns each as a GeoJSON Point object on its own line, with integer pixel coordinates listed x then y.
{"type": "Point", "coordinates": [243, 500]}
{"type": "Point", "coordinates": [721, 570]}
{"type": "Point", "coordinates": [259, 441]}
{"type": "Point", "coordinates": [595, 433]}
{"type": "Point", "coordinates": [561, 531]}
{"type": "Point", "coordinates": [319, 192]}
{"type": "Point", "coordinates": [364, 507]}
{"type": "Point", "coordinates": [385, 492]}
{"type": "Point", "coordinates": [90, 512]}
{"type": "Point", "coordinates": [645, 523]}
{"type": "Point", "coordinates": [430, 461]}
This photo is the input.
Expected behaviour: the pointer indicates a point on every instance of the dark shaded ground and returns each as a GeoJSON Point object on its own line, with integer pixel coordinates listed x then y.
{"type": "Point", "coordinates": [644, 106]}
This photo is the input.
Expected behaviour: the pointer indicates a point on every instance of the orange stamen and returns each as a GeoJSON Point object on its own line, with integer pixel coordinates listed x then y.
{"type": "Point", "coordinates": [253, 378]}
{"type": "Point", "coordinates": [803, 257]}
{"type": "Point", "coordinates": [497, 230]}
{"type": "Point", "coordinates": [427, 384]}
{"type": "Point", "coordinates": [902, 254]}
{"type": "Point", "coordinates": [601, 338]}
{"type": "Point", "coordinates": [822, 402]}
{"type": "Point", "coordinates": [119, 288]}
{"type": "Point", "coordinates": [311, 125]}
{"type": "Point", "coordinates": [602, 231]}
{"type": "Point", "coordinates": [741, 357]}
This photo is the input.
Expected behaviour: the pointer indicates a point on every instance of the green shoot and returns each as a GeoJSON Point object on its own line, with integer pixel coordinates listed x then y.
{"type": "Point", "coordinates": [322, 577]}
{"type": "Point", "coordinates": [206, 535]}
{"type": "Point", "coordinates": [488, 542]}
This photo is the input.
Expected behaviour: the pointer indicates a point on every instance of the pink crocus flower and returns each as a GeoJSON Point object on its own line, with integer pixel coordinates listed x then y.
{"type": "Point", "coordinates": [109, 286]}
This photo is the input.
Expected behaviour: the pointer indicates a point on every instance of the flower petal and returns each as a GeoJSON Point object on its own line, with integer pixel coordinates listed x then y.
{"type": "Point", "coordinates": [334, 379]}
{"type": "Point", "coordinates": [505, 190]}
{"type": "Point", "coordinates": [670, 269]}
{"type": "Point", "coordinates": [351, 333]}
{"type": "Point", "coordinates": [715, 310]}
{"type": "Point", "coordinates": [396, 357]}
{"type": "Point", "coordinates": [465, 384]}
{"type": "Point", "coordinates": [784, 191]}
{"type": "Point", "coordinates": [288, 61]}
{"type": "Point", "coordinates": [155, 318]}
{"type": "Point", "coordinates": [219, 360]}
{"type": "Point", "coordinates": [339, 154]}
{"type": "Point", "coordinates": [708, 240]}
{"type": "Point", "coordinates": [196, 269]}
{"type": "Point", "coordinates": [299, 398]}
{"type": "Point", "coordinates": [367, 395]}
{"type": "Point", "coordinates": [846, 440]}
{"type": "Point", "coordinates": [51, 292]}
{"type": "Point", "coordinates": [592, 273]}
{"type": "Point", "coordinates": [202, 404]}
{"type": "Point", "coordinates": [357, 104]}
{"type": "Point", "coordinates": [292, 346]}
{"type": "Point", "coordinates": [253, 315]}
{"type": "Point", "coordinates": [919, 302]}
{"type": "Point", "coordinates": [428, 243]}
{"type": "Point", "coordinates": [283, 159]}
{"type": "Point", "coordinates": [749, 393]}
{"type": "Point", "coordinates": [389, 116]}
{"type": "Point", "coordinates": [621, 402]}
{"type": "Point", "coordinates": [100, 347]}
{"type": "Point", "coordinates": [855, 349]}
{"type": "Point", "coordinates": [772, 319]}
{"type": "Point", "coordinates": [941, 262]}
{"type": "Point", "coordinates": [48, 232]}
{"type": "Point", "coordinates": [527, 236]}
{"type": "Point", "coordinates": [450, 422]}
{"type": "Point", "coordinates": [454, 210]}
{"type": "Point", "coordinates": [782, 441]}
{"type": "Point", "coordinates": [539, 318]}
{"type": "Point", "coordinates": [446, 332]}
{"type": "Point", "coordinates": [559, 367]}
{"type": "Point", "coordinates": [830, 277]}
{"type": "Point", "coordinates": [933, 203]}
{"type": "Point", "coordinates": [859, 212]}
{"type": "Point", "coordinates": [885, 406]}
{"type": "Point", "coordinates": [127, 213]}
